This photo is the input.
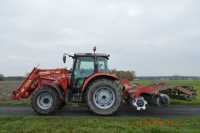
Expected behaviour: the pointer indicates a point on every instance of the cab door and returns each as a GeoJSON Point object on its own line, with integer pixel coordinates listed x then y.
{"type": "Point", "coordinates": [83, 68]}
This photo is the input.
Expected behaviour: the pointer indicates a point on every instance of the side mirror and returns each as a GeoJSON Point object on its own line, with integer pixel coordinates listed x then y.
{"type": "Point", "coordinates": [64, 58]}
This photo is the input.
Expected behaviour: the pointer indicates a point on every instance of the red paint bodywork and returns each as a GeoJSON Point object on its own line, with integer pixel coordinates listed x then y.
{"type": "Point", "coordinates": [60, 79]}
{"type": "Point", "coordinates": [139, 89]}
{"type": "Point", "coordinates": [38, 78]}
{"type": "Point", "coordinates": [95, 76]}
{"type": "Point", "coordinates": [56, 78]}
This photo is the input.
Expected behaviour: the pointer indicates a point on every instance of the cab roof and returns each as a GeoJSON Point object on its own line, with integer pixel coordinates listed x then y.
{"type": "Point", "coordinates": [91, 55]}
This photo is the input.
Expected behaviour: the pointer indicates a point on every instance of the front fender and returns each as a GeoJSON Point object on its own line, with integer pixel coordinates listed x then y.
{"type": "Point", "coordinates": [54, 85]}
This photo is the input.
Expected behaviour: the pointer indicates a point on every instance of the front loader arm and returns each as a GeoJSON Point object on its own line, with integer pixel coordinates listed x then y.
{"type": "Point", "coordinates": [56, 78]}
{"type": "Point", "coordinates": [27, 86]}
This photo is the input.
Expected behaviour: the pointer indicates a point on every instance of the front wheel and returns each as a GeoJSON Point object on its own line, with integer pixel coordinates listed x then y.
{"type": "Point", "coordinates": [45, 101]}
{"type": "Point", "coordinates": [104, 97]}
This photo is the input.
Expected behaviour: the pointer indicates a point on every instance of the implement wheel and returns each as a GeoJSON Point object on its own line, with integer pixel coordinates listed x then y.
{"type": "Point", "coordinates": [163, 100]}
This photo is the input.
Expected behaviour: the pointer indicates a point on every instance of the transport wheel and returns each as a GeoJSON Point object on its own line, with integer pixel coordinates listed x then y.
{"type": "Point", "coordinates": [45, 101]}
{"type": "Point", "coordinates": [163, 100]}
{"type": "Point", "coordinates": [155, 100]}
{"type": "Point", "coordinates": [104, 97]}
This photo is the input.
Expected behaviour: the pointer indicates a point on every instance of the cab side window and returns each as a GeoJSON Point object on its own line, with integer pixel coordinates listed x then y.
{"type": "Point", "coordinates": [84, 67]}
{"type": "Point", "coordinates": [102, 64]}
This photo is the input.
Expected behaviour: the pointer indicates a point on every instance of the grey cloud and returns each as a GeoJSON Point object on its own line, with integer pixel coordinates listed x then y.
{"type": "Point", "coordinates": [152, 37]}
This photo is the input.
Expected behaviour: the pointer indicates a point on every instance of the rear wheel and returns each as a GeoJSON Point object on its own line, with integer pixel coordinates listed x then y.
{"type": "Point", "coordinates": [104, 97]}
{"type": "Point", "coordinates": [45, 101]}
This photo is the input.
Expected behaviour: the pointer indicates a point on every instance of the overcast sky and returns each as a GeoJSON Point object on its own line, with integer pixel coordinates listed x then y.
{"type": "Point", "coordinates": [152, 37]}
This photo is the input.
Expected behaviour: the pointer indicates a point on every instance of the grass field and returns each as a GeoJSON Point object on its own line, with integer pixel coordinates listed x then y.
{"type": "Point", "coordinates": [56, 124]}
{"type": "Point", "coordinates": [97, 125]}
{"type": "Point", "coordinates": [6, 87]}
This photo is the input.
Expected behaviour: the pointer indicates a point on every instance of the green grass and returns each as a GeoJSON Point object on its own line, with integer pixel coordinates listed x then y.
{"type": "Point", "coordinates": [97, 125]}
{"type": "Point", "coordinates": [62, 124]}
{"type": "Point", "coordinates": [194, 83]}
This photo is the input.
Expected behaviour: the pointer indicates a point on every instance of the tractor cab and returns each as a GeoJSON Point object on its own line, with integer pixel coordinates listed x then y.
{"type": "Point", "coordinates": [86, 65]}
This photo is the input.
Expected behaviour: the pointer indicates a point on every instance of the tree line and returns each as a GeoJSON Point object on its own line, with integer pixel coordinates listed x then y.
{"type": "Point", "coordinates": [121, 74]}
{"type": "Point", "coordinates": [2, 77]}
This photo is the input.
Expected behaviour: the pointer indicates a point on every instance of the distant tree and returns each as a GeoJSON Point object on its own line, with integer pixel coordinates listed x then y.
{"type": "Point", "coordinates": [129, 75]}
{"type": "Point", "coordinates": [1, 77]}
{"type": "Point", "coordinates": [14, 78]}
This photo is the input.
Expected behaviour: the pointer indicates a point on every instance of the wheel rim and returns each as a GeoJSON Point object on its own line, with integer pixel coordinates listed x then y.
{"type": "Point", "coordinates": [44, 101]}
{"type": "Point", "coordinates": [140, 103]}
{"type": "Point", "coordinates": [104, 97]}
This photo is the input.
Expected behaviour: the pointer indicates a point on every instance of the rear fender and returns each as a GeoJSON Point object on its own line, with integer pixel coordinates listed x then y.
{"type": "Point", "coordinates": [97, 76]}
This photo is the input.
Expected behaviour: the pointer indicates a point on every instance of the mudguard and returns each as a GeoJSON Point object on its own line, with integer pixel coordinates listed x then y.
{"type": "Point", "coordinates": [97, 76]}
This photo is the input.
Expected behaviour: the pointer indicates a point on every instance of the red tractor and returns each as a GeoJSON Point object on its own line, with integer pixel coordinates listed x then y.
{"type": "Point", "coordinates": [88, 81]}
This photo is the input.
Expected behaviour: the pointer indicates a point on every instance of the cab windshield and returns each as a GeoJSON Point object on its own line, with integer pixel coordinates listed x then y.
{"type": "Point", "coordinates": [86, 66]}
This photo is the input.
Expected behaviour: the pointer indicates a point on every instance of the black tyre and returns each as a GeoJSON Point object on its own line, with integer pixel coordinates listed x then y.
{"type": "Point", "coordinates": [163, 100]}
{"type": "Point", "coordinates": [153, 100]}
{"type": "Point", "coordinates": [45, 101]}
{"type": "Point", "coordinates": [104, 97]}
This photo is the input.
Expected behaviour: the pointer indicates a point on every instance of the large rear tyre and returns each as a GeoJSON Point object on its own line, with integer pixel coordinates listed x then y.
{"type": "Point", "coordinates": [45, 101]}
{"type": "Point", "coordinates": [104, 97]}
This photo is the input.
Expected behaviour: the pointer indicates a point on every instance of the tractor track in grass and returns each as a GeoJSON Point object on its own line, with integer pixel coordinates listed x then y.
{"type": "Point", "coordinates": [125, 111]}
